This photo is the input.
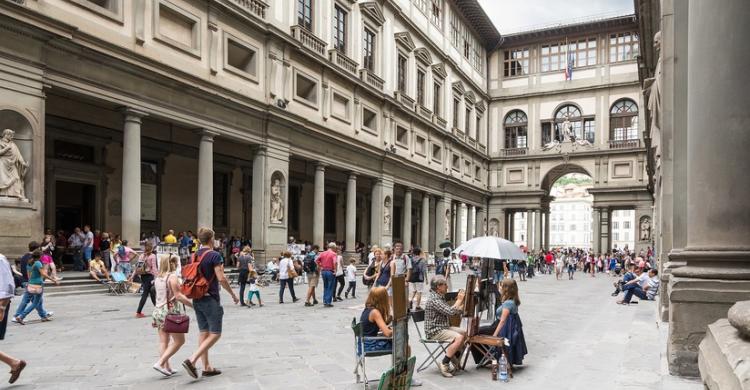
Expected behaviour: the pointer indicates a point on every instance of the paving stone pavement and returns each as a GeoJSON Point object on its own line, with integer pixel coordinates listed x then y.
{"type": "Point", "coordinates": [576, 335]}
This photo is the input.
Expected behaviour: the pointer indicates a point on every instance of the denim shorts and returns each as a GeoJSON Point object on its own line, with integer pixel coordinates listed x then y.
{"type": "Point", "coordinates": [209, 314]}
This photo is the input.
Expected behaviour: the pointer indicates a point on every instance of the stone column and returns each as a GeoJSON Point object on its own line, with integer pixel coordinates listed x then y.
{"type": "Point", "coordinates": [546, 231]}
{"type": "Point", "coordinates": [319, 205]}
{"type": "Point", "coordinates": [503, 225]}
{"type": "Point", "coordinates": [470, 222]}
{"type": "Point", "coordinates": [258, 229]}
{"type": "Point", "coordinates": [511, 234]}
{"type": "Point", "coordinates": [376, 213]}
{"type": "Point", "coordinates": [597, 228]}
{"type": "Point", "coordinates": [351, 213]}
{"type": "Point", "coordinates": [131, 176]}
{"type": "Point", "coordinates": [717, 254]}
{"type": "Point", "coordinates": [605, 215]}
{"type": "Point", "coordinates": [206, 180]}
{"type": "Point", "coordinates": [537, 229]}
{"type": "Point", "coordinates": [442, 222]}
{"type": "Point", "coordinates": [480, 223]}
{"type": "Point", "coordinates": [460, 232]}
{"type": "Point", "coordinates": [406, 219]}
{"type": "Point", "coordinates": [424, 241]}
{"type": "Point", "coordinates": [529, 228]}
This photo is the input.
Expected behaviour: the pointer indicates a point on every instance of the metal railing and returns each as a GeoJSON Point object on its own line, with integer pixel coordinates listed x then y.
{"type": "Point", "coordinates": [625, 144]}
{"type": "Point", "coordinates": [342, 61]}
{"type": "Point", "coordinates": [309, 40]}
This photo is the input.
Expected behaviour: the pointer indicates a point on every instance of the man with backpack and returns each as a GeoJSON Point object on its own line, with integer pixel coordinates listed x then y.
{"type": "Point", "coordinates": [202, 278]}
{"type": "Point", "coordinates": [417, 276]}
{"type": "Point", "coordinates": [310, 266]}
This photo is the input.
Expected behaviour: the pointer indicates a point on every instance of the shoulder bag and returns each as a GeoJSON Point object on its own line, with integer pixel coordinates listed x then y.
{"type": "Point", "coordinates": [174, 323]}
{"type": "Point", "coordinates": [292, 272]}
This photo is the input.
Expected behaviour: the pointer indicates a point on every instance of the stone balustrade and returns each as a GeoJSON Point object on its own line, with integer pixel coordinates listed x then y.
{"type": "Point", "coordinates": [512, 152]}
{"type": "Point", "coordinates": [255, 7]}
{"type": "Point", "coordinates": [371, 79]}
{"type": "Point", "coordinates": [309, 40]}
{"type": "Point", "coordinates": [625, 144]}
{"type": "Point", "coordinates": [342, 61]}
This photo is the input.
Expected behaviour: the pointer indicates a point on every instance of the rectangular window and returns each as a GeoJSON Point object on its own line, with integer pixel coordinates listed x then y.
{"type": "Point", "coordinates": [546, 133]}
{"type": "Point", "coordinates": [369, 120]}
{"type": "Point", "coordinates": [402, 136]}
{"type": "Point", "coordinates": [339, 29]}
{"type": "Point", "coordinates": [516, 62]}
{"type": "Point", "coordinates": [368, 55]}
{"type": "Point", "coordinates": [456, 162]}
{"type": "Point", "coordinates": [307, 89]}
{"type": "Point", "coordinates": [436, 98]}
{"type": "Point", "coordinates": [420, 87]}
{"type": "Point", "coordinates": [615, 225]}
{"type": "Point", "coordinates": [582, 52]}
{"type": "Point", "coordinates": [241, 57]}
{"type": "Point", "coordinates": [623, 47]}
{"type": "Point", "coordinates": [421, 146]}
{"type": "Point", "coordinates": [437, 153]}
{"type": "Point", "coordinates": [340, 107]}
{"type": "Point", "coordinates": [552, 57]}
{"type": "Point", "coordinates": [304, 14]}
{"type": "Point", "coordinates": [467, 120]}
{"type": "Point", "coordinates": [456, 105]}
{"type": "Point", "coordinates": [401, 73]}
{"type": "Point", "coordinates": [435, 13]}
{"type": "Point", "coordinates": [626, 225]}
{"type": "Point", "coordinates": [589, 130]}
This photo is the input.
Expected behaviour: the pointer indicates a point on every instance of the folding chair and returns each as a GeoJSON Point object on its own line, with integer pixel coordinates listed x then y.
{"type": "Point", "coordinates": [359, 350]}
{"type": "Point", "coordinates": [119, 284]}
{"type": "Point", "coordinates": [439, 346]}
{"type": "Point", "coordinates": [485, 345]}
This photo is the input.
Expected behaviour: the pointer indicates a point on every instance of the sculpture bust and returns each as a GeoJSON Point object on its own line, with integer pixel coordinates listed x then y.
{"type": "Point", "coordinates": [277, 204]}
{"type": "Point", "coordinates": [13, 167]}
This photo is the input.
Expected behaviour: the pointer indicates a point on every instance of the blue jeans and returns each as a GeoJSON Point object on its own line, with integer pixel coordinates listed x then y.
{"type": "Point", "coordinates": [329, 283]}
{"type": "Point", "coordinates": [282, 285]}
{"type": "Point", "coordinates": [125, 268]}
{"type": "Point", "coordinates": [499, 275]}
{"type": "Point", "coordinates": [633, 289]}
{"type": "Point", "coordinates": [36, 302]}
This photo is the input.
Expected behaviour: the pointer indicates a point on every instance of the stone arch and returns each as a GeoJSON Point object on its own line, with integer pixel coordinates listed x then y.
{"type": "Point", "coordinates": [559, 171]}
{"type": "Point", "coordinates": [278, 198]}
{"type": "Point", "coordinates": [566, 103]}
{"type": "Point", "coordinates": [23, 138]}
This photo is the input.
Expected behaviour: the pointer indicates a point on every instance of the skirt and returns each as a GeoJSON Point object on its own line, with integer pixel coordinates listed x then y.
{"type": "Point", "coordinates": [160, 313]}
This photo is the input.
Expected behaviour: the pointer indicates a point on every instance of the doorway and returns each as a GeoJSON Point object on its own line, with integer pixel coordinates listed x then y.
{"type": "Point", "coordinates": [75, 205]}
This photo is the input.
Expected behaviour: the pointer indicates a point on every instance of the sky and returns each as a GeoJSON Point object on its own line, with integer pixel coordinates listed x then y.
{"type": "Point", "coordinates": [518, 15]}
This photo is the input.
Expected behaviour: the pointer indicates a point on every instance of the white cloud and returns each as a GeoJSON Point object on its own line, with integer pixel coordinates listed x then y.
{"type": "Point", "coordinates": [513, 15]}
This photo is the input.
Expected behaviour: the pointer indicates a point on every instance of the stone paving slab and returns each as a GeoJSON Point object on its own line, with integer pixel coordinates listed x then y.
{"type": "Point", "coordinates": [576, 335]}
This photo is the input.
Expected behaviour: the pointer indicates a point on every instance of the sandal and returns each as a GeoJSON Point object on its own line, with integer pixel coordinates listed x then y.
{"type": "Point", "coordinates": [213, 372]}
{"type": "Point", "coordinates": [14, 374]}
{"type": "Point", "coordinates": [190, 368]}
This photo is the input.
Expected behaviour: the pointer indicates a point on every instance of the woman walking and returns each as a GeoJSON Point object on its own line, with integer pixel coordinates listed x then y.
{"type": "Point", "coordinates": [285, 265]}
{"type": "Point", "coordinates": [559, 261]}
{"type": "Point", "coordinates": [169, 300]}
{"type": "Point", "coordinates": [7, 292]}
{"type": "Point", "coordinates": [35, 289]}
{"type": "Point", "coordinates": [146, 268]}
{"type": "Point", "coordinates": [244, 262]}
{"type": "Point", "coordinates": [340, 278]}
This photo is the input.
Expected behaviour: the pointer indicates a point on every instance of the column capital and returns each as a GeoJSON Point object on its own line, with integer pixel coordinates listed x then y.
{"type": "Point", "coordinates": [259, 149]}
{"type": "Point", "coordinates": [206, 134]}
{"type": "Point", "coordinates": [132, 114]}
{"type": "Point", "coordinates": [320, 166]}
{"type": "Point", "coordinates": [407, 189]}
{"type": "Point", "coordinates": [352, 175]}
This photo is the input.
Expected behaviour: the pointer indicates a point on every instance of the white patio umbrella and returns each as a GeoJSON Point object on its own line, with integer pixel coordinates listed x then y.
{"type": "Point", "coordinates": [491, 247]}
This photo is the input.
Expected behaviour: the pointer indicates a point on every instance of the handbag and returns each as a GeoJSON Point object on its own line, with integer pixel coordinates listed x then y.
{"type": "Point", "coordinates": [175, 323]}
{"type": "Point", "coordinates": [34, 289]}
{"type": "Point", "coordinates": [292, 272]}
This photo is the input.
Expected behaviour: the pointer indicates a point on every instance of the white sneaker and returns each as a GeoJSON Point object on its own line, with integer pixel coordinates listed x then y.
{"type": "Point", "coordinates": [415, 382]}
{"type": "Point", "coordinates": [49, 314]}
{"type": "Point", "coordinates": [445, 370]}
{"type": "Point", "coordinates": [162, 370]}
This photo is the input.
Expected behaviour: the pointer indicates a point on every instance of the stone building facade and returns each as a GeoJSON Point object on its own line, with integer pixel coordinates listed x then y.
{"type": "Point", "coordinates": [344, 120]}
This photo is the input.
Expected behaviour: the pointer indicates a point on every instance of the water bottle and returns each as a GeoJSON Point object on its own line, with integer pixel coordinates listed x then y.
{"type": "Point", "coordinates": [503, 373]}
{"type": "Point", "coordinates": [494, 370]}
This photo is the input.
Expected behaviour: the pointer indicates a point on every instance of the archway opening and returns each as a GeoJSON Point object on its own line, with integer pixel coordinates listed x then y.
{"type": "Point", "coordinates": [571, 224]}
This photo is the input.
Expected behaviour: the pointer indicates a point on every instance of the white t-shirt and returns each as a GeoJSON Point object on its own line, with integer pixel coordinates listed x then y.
{"type": "Point", "coordinates": [339, 266]}
{"type": "Point", "coordinates": [370, 258]}
{"type": "Point", "coordinates": [653, 287]}
{"type": "Point", "coordinates": [402, 264]}
{"type": "Point", "coordinates": [89, 240]}
{"type": "Point", "coordinates": [351, 273]}
{"type": "Point", "coordinates": [643, 280]}
{"type": "Point", "coordinates": [284, 265]}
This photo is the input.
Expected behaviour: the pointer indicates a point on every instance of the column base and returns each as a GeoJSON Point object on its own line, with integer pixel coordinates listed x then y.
{"type": "Point", "coordinates": [698, 296]}
{"type": "Point", "coordinates": [665, 274]}
{"type": "Point", "coordinates": [722, 358]}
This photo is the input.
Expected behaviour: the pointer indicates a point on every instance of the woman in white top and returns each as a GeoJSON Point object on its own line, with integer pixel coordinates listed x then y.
{"type": "Point", "coordinates": [167, 285]}
{"type": "Point", "coordinates": [285, 264]}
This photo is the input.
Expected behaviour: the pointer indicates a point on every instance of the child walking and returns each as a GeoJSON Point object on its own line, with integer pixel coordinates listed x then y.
{"type": "Point", "coordinates": [253, 290]}
{"type": "Point", "coordinates": [351, 277]}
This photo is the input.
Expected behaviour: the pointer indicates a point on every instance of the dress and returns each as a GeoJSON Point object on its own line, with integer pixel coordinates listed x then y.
{"type": "Point", "coordinates": [512, 330]}
{"type": "Point", "coordinates": [165, 302]}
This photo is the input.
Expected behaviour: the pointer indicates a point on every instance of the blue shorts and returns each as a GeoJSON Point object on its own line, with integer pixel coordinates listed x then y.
{"type": "Point", "coordinates": [209, 314]}
{"type": "Point", "coordinates": [378, 345]}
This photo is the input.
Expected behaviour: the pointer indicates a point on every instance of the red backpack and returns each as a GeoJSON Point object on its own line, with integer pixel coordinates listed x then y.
{"type": "Point", "coordinates": [194, 285]}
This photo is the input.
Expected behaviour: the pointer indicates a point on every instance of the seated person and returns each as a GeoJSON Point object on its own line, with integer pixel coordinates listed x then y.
{"type": "Point", "coordinates": [437, 327]}
{"type": "Point", "coordinates": [644, 287]}
{"type": "Point", "coordinates": [375, 320]}
{"type": "Point", "coordinates": [98, 270]}
{"type": "Point", "coordinates": [273, 268]}
{"type": "Point", "coordinates": [507, 325]}
{"type": "Point", "coordinates": [638, 282]}
{"type": "Point", "coordinates": [627, 278]}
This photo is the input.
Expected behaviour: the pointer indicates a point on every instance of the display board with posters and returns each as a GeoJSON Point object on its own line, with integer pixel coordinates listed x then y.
{"type": "Point", "coordinates": [400, 373]}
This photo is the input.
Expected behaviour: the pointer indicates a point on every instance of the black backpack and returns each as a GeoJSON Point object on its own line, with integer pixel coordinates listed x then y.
{"type": "Point", "coordinates": [417, 271]}
{"type": "Point", "coordinates": [369, 272]}
{"type": "Point", "coordinates": [309, 265]}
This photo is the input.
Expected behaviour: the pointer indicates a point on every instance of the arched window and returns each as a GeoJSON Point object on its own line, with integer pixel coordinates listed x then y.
{"type": "Point", "coordinates": [581, 128]}
{"type": "Point", "coordinates": [515, 129]}
{"type": "Point", "coordinates": [623, 120]}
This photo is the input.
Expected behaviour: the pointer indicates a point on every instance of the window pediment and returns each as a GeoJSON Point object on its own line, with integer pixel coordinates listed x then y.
{"type": "Point", "coordinates": [439, 70]}
{"type": "Point", "coordinates": [458, 88]}
{"type": "Point", "coordinates": [403, 39]}
{"type": "Point", "coordinates": [373, 11]}
{"type": "Point", "coordinates": [423, 55]}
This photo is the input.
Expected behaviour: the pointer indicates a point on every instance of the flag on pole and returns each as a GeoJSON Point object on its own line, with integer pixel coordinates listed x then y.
{"type": "Point", "coordinates": [569, 68]}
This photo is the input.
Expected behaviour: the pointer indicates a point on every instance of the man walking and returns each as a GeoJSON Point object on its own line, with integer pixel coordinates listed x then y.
{"type": "Point", "coordinates": [208, 311]}
{"type": "Point", "coordinates": [327, 266]}
{"type": "Point", "coordinates": [88, 245]}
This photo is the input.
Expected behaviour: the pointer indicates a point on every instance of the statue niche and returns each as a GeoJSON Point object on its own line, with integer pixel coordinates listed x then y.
{"type": "Point", "coordinates": [277, 199]}
{"type": "Point", "coordinates": [645, 229]}
{"type": "Point", "coordinates": [13, 168]}
{"type": "Point", "coordinates": [387, 214]}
